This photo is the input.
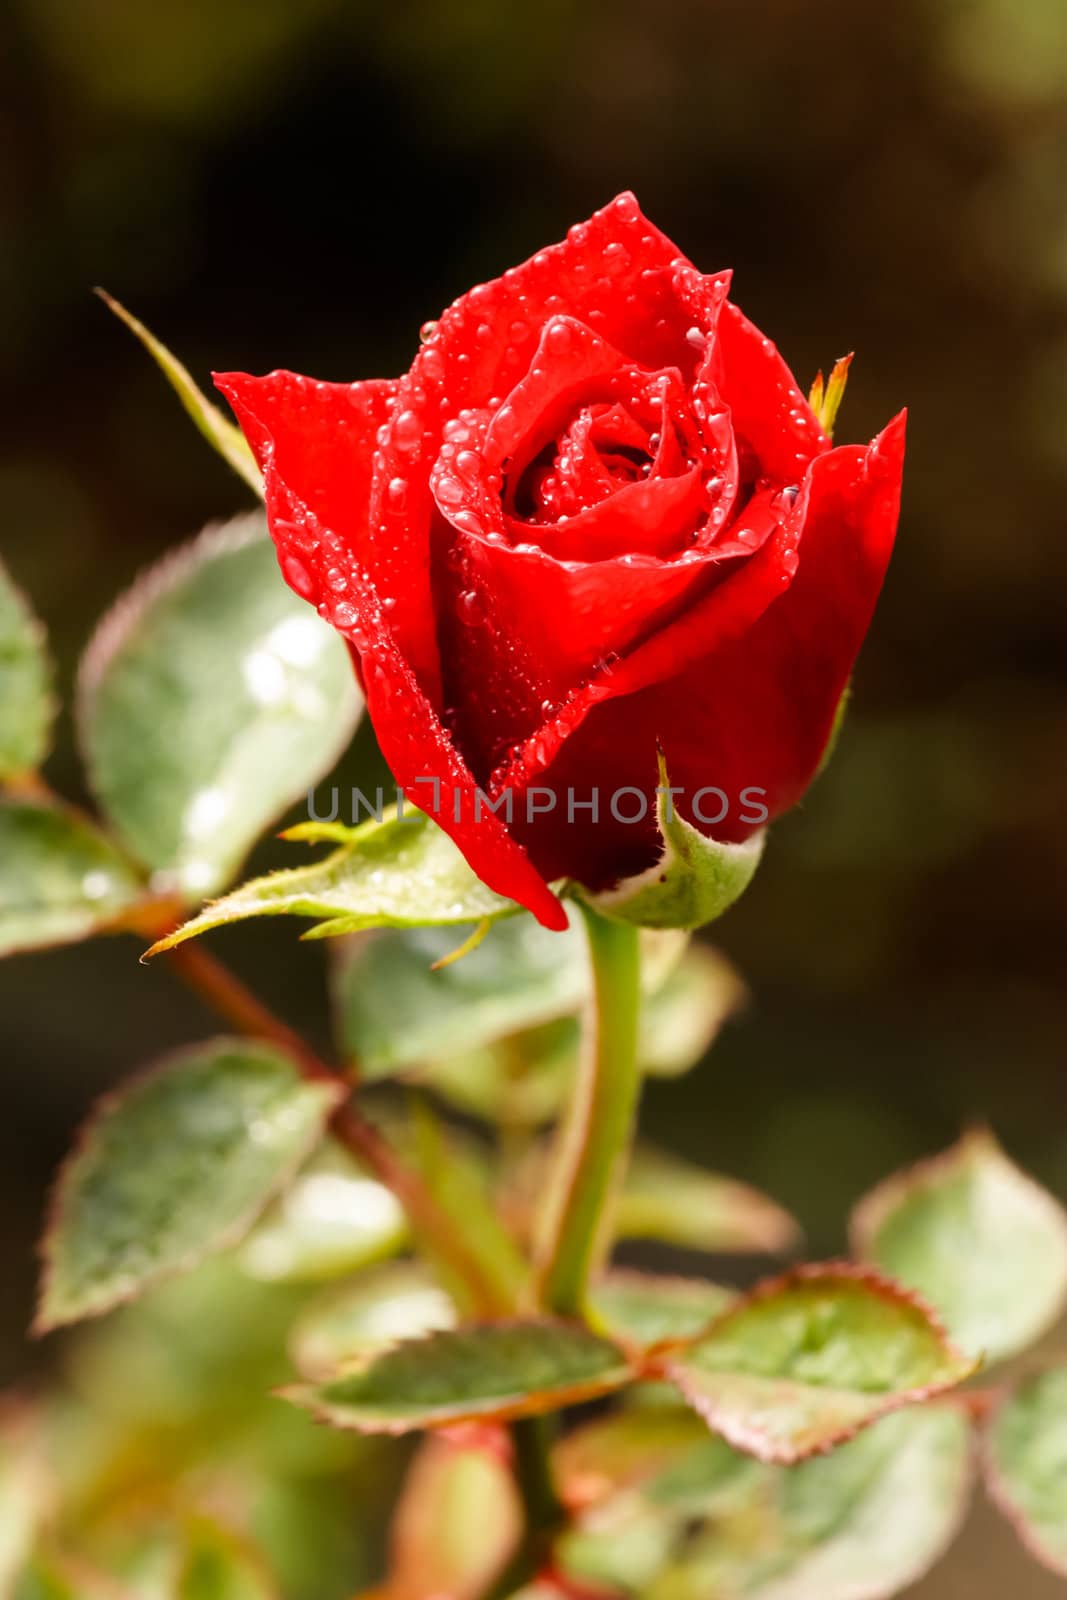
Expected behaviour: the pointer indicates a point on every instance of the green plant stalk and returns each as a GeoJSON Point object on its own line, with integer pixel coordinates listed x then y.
{"type": "Point", "coordinates": [598, 1128]}
{"type": "Point", "coordinates": [543, 1515]}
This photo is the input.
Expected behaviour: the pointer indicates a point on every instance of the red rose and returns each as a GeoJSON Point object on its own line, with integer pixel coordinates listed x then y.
{"type": "Point", "coordinates": [596, 518]}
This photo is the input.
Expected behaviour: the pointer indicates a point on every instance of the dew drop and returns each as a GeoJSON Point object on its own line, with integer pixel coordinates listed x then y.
{"type": "Point", "coordinates": [297, 576]}
{"type": "Point", "coordinates": [449, 492]}
{"type": "Point", "coordinates": [397, 493]}
{"type": "Point", "coordinates": [427, 331]}
{"type": "Point", "coordinates": [407, 431]}
{"type": "Point", "coordinates": [471, 608]}
{"type": "Point", "coordinates": [558, 338]}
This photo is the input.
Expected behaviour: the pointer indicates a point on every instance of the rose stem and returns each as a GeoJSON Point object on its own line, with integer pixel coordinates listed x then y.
{"type": "Point", "coordinates": [543, 1514]}
{"type": "Point", "coordinates": [598, 1127]}
{"type": "Point", "coordinates": [227, 995]}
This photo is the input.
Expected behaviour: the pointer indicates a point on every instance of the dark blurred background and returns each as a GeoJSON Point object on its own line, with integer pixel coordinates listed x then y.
{"type": "Point", "coordinates": [272, 184]}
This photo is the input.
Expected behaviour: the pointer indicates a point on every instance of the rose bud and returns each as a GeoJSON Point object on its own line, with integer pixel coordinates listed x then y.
{"type": "Point", "coordinates": [595, 528]}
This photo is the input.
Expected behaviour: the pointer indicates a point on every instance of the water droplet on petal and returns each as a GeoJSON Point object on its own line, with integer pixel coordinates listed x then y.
{"type": "Point", "coordinates": [558, 338]}
{"type": "Point", "coordinates": [397, 493]}
{"type": "Point", "coordinates": [407, 431]}
{"type": "Point", "coordinates": [470, 607]}
{"type": "Point", "coordinates": [449, 492]}
{"type": "Point", "coordinates": [297, 576]}
{"type": "Point", "coordinates": [427, 331]}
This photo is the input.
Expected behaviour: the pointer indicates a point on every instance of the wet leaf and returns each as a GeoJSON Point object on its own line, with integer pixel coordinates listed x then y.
{"type": "Point", "coordinates": [401, 872]}
{"type": "Point", "coordinates": [804, 1361]}
{"type": "Point", "coordinates": [1026, 1464]}
{"type": "Point", "coordinates": [500, 1371]}
{"type": "Point", "coordinates": [984, 1243]}
{"type": "Point", "coordinates": [173, 1166]}
{"type": "Point", "coordinates": [27, 706]}
{"type": "Point", "coordinates": [210, 698]}
{"type": "Point", "coordinates": [60, 879]}
{"type": "Point", "coordinates": [396, 1011]}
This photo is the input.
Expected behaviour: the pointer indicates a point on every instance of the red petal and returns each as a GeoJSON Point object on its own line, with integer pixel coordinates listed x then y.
{"type": "Point", "coordinates": [321, 563]}
{"type": "Point", "coordinates": [321, 438]}
{"type": "Point", "coordinates": [755, 709]}
{"type": "Point", "coordinates": [769, 412]}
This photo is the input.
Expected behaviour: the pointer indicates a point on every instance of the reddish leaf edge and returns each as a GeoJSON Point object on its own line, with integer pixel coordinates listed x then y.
{"type": "Point", "coordinates": [508, 1408]}
{"type": "Point", "coordinates": [997, 1487]}
{"type": "Point", "coordinates": [44, 1322]}
{"type": "Point", "coordinates": [661, 1364]}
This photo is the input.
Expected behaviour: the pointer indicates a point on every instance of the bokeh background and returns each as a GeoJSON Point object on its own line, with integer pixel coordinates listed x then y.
{"type": "Point", "coordinates": [273, 184]}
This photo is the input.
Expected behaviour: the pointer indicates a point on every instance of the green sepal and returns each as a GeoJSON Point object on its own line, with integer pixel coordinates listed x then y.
{"type": "Point", "coordinates": [694, 881]}
{"type": "Point", "coordinates": [211, 422]}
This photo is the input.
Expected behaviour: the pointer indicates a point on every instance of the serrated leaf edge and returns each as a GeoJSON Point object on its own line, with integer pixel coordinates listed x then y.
{"type": "Point", "coordinates": [44, 1321]}
{"type": "Point", "coordinates": [996, 1483]}
{"type": "Point", "coordinates": [751, 1443]}
{"type": "Point", "coordinates": [503, 1409]}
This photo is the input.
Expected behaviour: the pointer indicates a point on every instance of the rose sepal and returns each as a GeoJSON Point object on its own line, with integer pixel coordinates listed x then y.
{"type": "Point", "coordinates": [693, 882]}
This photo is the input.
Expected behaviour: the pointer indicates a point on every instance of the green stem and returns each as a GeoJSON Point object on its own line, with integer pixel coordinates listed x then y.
{"type": "Point", "coordinates": [542, 1512]}
{"type": "Point", "coordinates": [596, 1135]}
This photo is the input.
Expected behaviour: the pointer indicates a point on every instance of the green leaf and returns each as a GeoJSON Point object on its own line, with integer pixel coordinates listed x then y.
{"type": "Point", "coordinates": [400, 872]}
{"type": "Point", "coordinates": [380, 1307]}
{"type": "Point", "coordinates": [331, 1220]}
{"type": "Point", "coordinates": [675, 1202]}
{"type": "Point", "coordinates": [694, 881]}
{"type": "Point", "coordinates": [978, 1239]}
{"type": "Point", "coordinates": [175, 1165]}
{"type": "Point", "coordinates": [1026, 1464]}
{"type": "Point", "coordinates": [59, 878]}
{"type": "Point", "coordinates": [395, 1011]}
{"type": "Point", "coordinates": [500, 1371]}
{"type": "Point", "coordinates": [805, 1360]}
{"type": "Point", "coordinates": [215, 426]}
{"type": "Point", "coordinates": [210, 698]}
{"type": "Point", "coordinates": [642, 1308]}
{"type": "Point", "coordinates": [27, 706]}
{"type": "Point", "coordinates": [860, 1524]}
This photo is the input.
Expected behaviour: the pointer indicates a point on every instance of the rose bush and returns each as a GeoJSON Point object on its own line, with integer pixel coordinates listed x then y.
{"type": "Point", "coordinates": [596, 519]}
